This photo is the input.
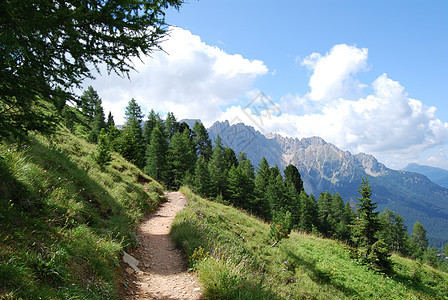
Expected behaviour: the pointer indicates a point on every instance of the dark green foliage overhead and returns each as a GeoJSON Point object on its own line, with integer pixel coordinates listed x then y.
{"type": "Point", "coordinates": [48, 46]}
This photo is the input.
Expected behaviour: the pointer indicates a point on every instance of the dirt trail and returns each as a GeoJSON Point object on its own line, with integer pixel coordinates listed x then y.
{"type": "Point", "coordinates": [163, 272]}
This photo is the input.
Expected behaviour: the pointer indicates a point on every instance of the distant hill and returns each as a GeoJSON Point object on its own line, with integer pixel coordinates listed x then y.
{"type": "Point", "coordinates": [324, 167]}
{"type": "Point", "coordinates": [437, 175]}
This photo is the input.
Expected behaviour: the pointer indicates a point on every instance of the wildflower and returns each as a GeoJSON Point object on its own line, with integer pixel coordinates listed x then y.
{"type": "Point", "coordinates": [285, 262]}
{"type": "Point", "coordinates": [284, 269]}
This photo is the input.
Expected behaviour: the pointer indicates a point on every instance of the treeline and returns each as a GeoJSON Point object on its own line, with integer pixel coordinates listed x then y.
{"type": "Point", "coordinates": [175, 154]}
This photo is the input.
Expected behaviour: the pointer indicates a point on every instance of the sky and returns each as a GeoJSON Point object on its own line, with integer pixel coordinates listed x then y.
{"type": "Point", "coordinates": [367, 76]}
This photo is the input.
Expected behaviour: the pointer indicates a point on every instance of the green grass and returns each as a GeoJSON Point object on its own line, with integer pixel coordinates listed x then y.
{"type": "Point", "coordinates": [64, 221]}
{"type": "Point", "coordinates": [234, 259]}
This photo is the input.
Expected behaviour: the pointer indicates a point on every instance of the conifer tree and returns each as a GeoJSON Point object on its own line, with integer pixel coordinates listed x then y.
{"type": "Point", "coordinates": [419, 239]}
{"type": "Point", "coordinates": [366, 223]}
{"type": "Point", "coordinates": [324, 213]}
{"type": "Point", "coordinates": [246, 165]}
{"type": "Point", "coordinates": [110, 120]}
{"type": "Point", "coordinates": [308, 217]}
{"type": "Point", "coordinates": [293, 178]}
{"type": "Point", "coordinates": [239, 188]}
{"type": "Point", "coordinates": [88, 102]}
{"type": "Point", "coordinates": [276, 192]}
{"type": "Point", "coordinates": [218, 169]}
{"type": "Point", "coordinates": [262, 204]}
{"type": "Point", "coordinates": [171, 125]}
{"type": "Point", "coordinates": [393, 231]}
{"type": "Point", "coordinates": [156, 155]}
{"type": "Point", "coordinates": [202, 141]}
{"type": "Point", "coordinates": [150, 124]}
{"type": "Point", "coordinates": [130, 143]}
{"type": "Point", "coordinates": [98, 122]}
{"type": "Point", "coordinates": [230, 158]}
{"type": "Point", "coordinates": [201, 181]}
{"type": "Point", "coordinates": [181, 158]}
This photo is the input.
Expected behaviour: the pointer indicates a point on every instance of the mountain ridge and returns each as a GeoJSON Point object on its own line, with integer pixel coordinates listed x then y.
{"type": "Point", "coordinates": [325, 167]}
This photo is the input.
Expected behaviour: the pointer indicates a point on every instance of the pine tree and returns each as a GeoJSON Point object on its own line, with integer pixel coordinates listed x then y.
{"type": "Point", "coordinates": [262, 206]}
{"type": "Point", "coordinates": [98, 122]}
{"type": "Point", "coordinates": [246, 165]}
{"type": "Point", "coordinates": [130, 143]}
{"type": "Point", "coordinates": [171, 125]}
{"type": "Point", "coordinates": [156, 155]}
{"type": "Point", "coordinates": [181, 158]}
{"type": "Point", "coordinates": [202, 141]}
{"type": "Point", "coordinates": [366, 224]}
{"type": "Point", "coordinates": [150, 124]}
{"type": "Point", "coordinates": [324, 213]}
{"type": "Point", "coordinates": [240, 188]}
{"type": "Point", "coordinates": [393, 231]}
{"type": "Point", "coordinates": [217, 169]}
{"type": "Point", "coordinates": [102, 156]}
{"type": "Point", "coordinates": [293, 178]}
{"type": "Point", "coordinates": [419, 239]}
{"type": "Point", "coordinates": [88, 102]}
{"type": "Point", "coordinates": [308, 217]}
{"type": "Point", "coordinates": [110, 120]}
{"type": "Point", "coordinates": [201, 181]}
{"type": "Point", "coordinates": [230, 158]}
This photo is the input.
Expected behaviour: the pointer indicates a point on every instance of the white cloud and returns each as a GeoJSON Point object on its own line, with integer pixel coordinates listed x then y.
{"type": "Point", "coordinates": [189, 78]}
{"type": "Point", "coordinates": [333, 73]}
{"type": "Point", "coordinates": [386, 123]}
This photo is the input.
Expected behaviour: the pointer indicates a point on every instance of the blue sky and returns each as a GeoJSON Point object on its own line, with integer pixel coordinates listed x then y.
{"type": "Point", "coordinates": [368, 76]}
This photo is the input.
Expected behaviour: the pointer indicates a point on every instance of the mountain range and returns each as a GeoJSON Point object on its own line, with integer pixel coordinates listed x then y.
{"type": "Point", "coordinates": [437, 175]}
{"type": "Point", "coordinates": [324, 167]}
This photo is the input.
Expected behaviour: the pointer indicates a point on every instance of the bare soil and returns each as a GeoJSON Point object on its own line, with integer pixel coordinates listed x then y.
{"type": "Point", "coordinates": [163, 271]}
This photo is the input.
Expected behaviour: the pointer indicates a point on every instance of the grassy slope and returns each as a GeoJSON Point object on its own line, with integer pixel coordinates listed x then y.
{"type": "Point", "coordinates": [63, 220]}
{"type": "Point", "coordinates": [232, 254]}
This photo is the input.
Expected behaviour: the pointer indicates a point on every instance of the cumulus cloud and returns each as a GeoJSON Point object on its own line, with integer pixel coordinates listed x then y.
{"type": "Point", "coordinates": [333, 74]}
{"type": "Point", "coordinates": [386, 123]}
{"type": "Point", "coordinates": [189, 78]}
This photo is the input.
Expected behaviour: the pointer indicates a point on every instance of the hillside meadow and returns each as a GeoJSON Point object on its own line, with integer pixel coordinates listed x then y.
{"type": "Point", "coordinates": [232, 254]}
{"type": "Point", "coordinates": [64, 220]}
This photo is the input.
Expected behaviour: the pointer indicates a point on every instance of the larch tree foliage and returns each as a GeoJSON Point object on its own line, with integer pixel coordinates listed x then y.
{"type": "Point", "coordinates": [48, 46]}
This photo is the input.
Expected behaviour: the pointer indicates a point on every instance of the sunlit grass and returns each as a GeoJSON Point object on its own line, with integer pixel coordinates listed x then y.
{"type": "Point", "coordinates": [64, 221]}
{"type": "Point", "coordinates": [237, 259]}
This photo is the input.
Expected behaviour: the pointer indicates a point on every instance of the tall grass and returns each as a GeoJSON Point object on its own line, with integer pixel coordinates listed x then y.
{"type": "Point", "coordinates": [64, 221]}
{"type": "Point", "coordinates": [232, 254]}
